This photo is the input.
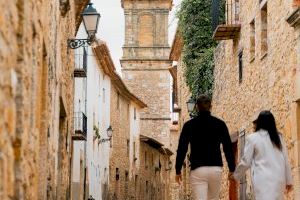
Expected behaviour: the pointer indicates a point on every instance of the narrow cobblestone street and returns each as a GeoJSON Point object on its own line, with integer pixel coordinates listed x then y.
{"type": "Point", "coordinates": [94, 95]}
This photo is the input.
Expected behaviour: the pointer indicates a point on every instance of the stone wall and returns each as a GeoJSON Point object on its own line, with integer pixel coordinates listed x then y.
{"type": "Point", "coordinates": [268, 79]}
{"type": "Point", "coordinates": [182, 95]}
{"type": "Point", "coordinates": [119, 154]}
{"type": "Point", "coordinates": [36, 93]}
{"type": "Point", "coordinates": [145, 66]}
{"type": "Point", "coordinates": [127, 169]}
{"type": "Point", "coordinates": [153, 180]}
{"type": "Point", "coordinates": [145, 63]}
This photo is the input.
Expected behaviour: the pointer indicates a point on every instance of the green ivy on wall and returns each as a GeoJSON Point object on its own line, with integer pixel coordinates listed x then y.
{"type": "Point", "coordinates": [198, 51]}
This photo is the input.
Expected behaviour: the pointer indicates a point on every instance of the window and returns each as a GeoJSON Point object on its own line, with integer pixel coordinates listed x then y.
{"type": "Point", "coordinates": [128, 111]}
{"type": "Point", "coordinates": [117, 174]}
{"type": "Point", "coordinates": [126, 183]}
{"type": "Point", "coordinates": [147, 187]}
{"type": "Point", "coordinates": [136, 181]}
{"type": "Point", "coordinates": [103, 95]}
{"type": "Point", "coordinates": [252, 40]}
{"type": "Point", "coordinates": [126, 175]}
{"type": "Point", "coordinates": [84, 60]}
{"type": "Point", "coordinates": [128, 145]}
{"type": "Point", "coordinates": [134, 114]}
{"type": "Point", "coordinates": [146, 164]}
{"type": "Point", "coordinates": [264, 30]}
{"type": "Point", "coordinates": [134, 158]}
{"type": "Point", "coordinates": [118, 101]}
{"type": "Point", "coordinates": [240, 57]}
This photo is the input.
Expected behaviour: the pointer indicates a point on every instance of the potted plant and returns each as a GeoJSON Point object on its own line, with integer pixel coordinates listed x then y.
{"type": "Point", "coordinates": [97, 133]}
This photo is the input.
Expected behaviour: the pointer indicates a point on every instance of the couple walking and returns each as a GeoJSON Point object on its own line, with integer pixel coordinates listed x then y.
{"type": "Point", "coordinates": [265, 153]}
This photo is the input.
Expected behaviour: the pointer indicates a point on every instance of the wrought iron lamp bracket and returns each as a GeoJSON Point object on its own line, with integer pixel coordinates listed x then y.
{"type": "Point", "coordinates": [104, 140]}
{"type": "Point", "coordinates": [76, 43]}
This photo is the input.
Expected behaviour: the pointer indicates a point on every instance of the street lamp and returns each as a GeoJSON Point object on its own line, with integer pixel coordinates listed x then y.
{"type": "Point", "coordinates": [109, 132]}
{"type": "Point", "coordinates": [90, 18]}
{"type": "Point", "coordinates": [169, 166]}
{"type": "Point", "coordinates": [91, 197]}
{"type": "Point", "coordinates": [191, 105]}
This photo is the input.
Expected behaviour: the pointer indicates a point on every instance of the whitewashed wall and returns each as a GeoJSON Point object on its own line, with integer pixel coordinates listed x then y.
{"type": "Point", "coordinates": [97, 110]}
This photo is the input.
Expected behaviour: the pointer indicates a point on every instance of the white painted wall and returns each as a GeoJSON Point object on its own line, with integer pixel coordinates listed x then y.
{"type": "Point", "coordinates": [96, 87]}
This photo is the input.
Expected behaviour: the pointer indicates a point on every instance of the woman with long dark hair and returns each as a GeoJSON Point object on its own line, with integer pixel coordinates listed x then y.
{"type": "Point", "coordinates": [265, 153]}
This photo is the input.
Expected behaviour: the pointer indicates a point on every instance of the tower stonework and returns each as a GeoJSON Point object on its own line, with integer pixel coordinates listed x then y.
{"type": "Point", "coordinates": [145, 62]}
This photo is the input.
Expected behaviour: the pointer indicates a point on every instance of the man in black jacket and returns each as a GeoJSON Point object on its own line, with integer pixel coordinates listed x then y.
{"type": "Point", "coordinates": [205, 133]}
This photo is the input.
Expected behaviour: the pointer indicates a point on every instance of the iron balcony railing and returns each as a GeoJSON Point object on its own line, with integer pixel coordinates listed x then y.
{"type": "Point", "coordinates": [225, 18]}
{"type": "Point", "coordinates": [80, 62]}
{"type": "Point", "coordinates": [225, 12]}
{"type": "Point", "coordinates": [80, 125]}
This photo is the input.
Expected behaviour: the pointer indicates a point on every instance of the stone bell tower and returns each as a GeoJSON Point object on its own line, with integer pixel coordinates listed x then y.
{"type": "Point", "coordinates": [145, 62]}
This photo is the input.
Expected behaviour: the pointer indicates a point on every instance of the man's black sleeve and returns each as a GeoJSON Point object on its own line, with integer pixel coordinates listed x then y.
{"type": "Point", "coordinates": [182, 148]}
{"type": "Point", "coordinates": [227, 148]}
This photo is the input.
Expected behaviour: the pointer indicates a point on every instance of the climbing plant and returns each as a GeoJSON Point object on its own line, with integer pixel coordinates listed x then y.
{"type": "Point", "coordinates": [198, 51]}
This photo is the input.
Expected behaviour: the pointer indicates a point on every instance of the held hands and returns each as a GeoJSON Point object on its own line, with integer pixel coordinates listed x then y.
{"type": "Point", "coordinates": [178, 178]}
{"type": "Point", "coordinates": [230, 176]}
{"type": "Point", "coordinates": [289, 188]}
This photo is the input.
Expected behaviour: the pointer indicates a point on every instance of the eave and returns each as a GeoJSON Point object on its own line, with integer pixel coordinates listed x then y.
{"type": "Point", "coordinates": [156, 144]}
{"type": "Point", "coordinates": [151, 142]}
{"type": "Point", "coordinates": [177, 46]}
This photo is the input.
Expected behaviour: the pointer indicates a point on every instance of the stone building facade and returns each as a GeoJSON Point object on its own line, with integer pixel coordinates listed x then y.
{"type": "Point", "coordinates": [181, 95]}
{"type": "Point", "coordinates": [259, 70]}
{"type": "Point", "coordinates": [36, 93]}
{"type": "Point", "coordinates": [145, 62]}
{"type": "Point", "coordinates": [127, 174]}
{"type": "Point", "coordinates": [90, 170]}
{"type": "Point", "coordinates": [153, 180]}
{"type": "Point", "coordinates": [294, 21]}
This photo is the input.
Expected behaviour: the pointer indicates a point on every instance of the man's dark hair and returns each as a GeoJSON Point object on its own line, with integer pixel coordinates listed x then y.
{"type": "Point", "coordinates": [203, 102]}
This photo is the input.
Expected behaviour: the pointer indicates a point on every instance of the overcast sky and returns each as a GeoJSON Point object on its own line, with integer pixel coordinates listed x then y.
{"type": "Point", "coordinates": [111, 26]}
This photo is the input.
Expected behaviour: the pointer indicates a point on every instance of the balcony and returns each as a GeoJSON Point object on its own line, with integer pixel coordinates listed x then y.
{"type": "Point", "coordinates": [225, 19]}
{"type": "Point", "coordinates": [80, 126]}
{"type": "Point", "coordinates": [294, 18]}
{"type": "Point", "coordinates": [80, 70]}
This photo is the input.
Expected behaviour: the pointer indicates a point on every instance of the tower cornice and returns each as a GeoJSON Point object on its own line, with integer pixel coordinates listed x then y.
{"type": "Point", "coordinates": [169, 3]}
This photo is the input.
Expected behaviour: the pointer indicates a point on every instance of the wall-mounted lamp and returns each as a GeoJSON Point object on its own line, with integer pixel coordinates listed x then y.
{"type": "Point", "coordinates": [90, 18]}
{"type": "Point", "coordinates": [191, 104]}
{"type": "Point", "coordinates": [109, 132]}
{"type": "Point", "coordinates": [91, 197]}
{"type": "Point", "coordinates": [169, 165]}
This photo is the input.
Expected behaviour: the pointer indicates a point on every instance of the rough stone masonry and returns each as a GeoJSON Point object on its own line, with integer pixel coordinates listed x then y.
{"type": "Point", "coordinates": [36, 94]}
